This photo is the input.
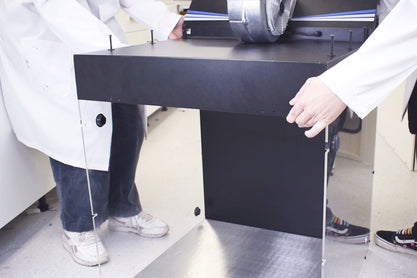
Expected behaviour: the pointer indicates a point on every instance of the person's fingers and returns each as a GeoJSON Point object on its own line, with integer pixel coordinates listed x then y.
{"type": "Point", "coordinates": [303, 119]}
{"type": "Point", "coordinates": [297, 96]}
{"type": "Point", "coordinates": [293, 101]}
{"type": "Point", "coordinates": [294, 112]}
{"type": "Point", "coordinates": [310, 123]}
{"type": "Point", "coordinates": [316, 129]}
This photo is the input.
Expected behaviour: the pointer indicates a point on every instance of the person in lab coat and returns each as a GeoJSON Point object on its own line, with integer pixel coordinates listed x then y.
{"type": "Point", "coordinates": [361, 82]}
{"type": "Point", "coordinates": [37, 41]}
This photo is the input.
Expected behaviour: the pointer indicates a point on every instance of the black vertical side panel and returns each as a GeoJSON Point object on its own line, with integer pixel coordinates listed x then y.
{"type": "Point", "coordinates": [260, 171]}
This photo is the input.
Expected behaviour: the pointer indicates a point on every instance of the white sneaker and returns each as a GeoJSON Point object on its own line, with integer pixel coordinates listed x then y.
{"type": "Point", "coordinates": [142, 224]}
{"type": "Point", "coordinates": [86, 248]}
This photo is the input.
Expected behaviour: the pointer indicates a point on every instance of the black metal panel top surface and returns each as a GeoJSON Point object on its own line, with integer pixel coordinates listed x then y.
{"type": "Point", "coordinates": [214, 75]}
{"type": "Point", "coordinates": [293, 51]}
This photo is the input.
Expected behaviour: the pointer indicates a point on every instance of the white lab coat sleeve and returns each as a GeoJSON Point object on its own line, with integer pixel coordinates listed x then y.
{"type": "Point", "coordinates": [74, 25]}
{"type": "Point", "coordinates": [388, 57]}
{"type": "Point", "coordinates": [154, 14]}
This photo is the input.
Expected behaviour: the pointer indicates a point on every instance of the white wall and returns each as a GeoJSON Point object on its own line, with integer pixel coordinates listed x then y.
{"type": "Point", "coordinates": [25, 174]}
{"type": "Point", "coordinates": [393, 130]}
{"type": "Point", "coordinates": [389, 126]}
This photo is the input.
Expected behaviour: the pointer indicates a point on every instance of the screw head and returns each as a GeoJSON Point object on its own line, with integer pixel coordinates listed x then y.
{"type": "Point", "coordinates": [197, 211]}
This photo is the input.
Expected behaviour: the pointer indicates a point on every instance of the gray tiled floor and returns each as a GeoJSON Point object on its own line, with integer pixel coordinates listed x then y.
{"type": "Point", "coordinates": [30, 246]}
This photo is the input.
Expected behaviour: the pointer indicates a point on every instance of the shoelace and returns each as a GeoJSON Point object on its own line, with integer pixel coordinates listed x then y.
{"type": "Point", "coordinates": [88, 238]}
{"type": "Point", "coordinates": [339, 221]}
{"type": "Point", "coordinates": [407, 231]}
{"type": "Point", "coordinates": [145, 217]}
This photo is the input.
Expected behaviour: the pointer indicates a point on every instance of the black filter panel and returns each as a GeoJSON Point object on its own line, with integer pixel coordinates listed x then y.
{"type": "Point", "coordinates": [260, 171]}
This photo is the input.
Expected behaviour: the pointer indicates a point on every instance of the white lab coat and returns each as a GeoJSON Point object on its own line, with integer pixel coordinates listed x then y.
{"type": "Point", "coordinates": [37, 43]}
{"type": "Point", "coordinates": [387, 59]}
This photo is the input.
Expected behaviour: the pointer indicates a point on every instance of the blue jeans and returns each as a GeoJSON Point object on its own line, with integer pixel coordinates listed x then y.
{"type": "Point", "coordinates": [114, 192]}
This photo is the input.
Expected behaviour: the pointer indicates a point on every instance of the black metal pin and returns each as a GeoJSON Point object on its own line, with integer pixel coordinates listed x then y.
{"type": "Point", "coordinates": [350, 40]}
{"type": "Point", "coordinates": [152, 37]}
{"type": "Point", "coordinates": [111, 43]}
{"type": "Point", "coordinates": [331, 46]}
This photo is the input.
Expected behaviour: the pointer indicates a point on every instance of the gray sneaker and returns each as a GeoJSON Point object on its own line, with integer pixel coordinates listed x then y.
{"type": "Point", "coordinates": [142, 224]}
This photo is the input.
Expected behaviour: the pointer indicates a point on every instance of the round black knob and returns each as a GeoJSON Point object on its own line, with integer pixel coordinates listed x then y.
{"type": "Point", "coordinates": [100, 120]}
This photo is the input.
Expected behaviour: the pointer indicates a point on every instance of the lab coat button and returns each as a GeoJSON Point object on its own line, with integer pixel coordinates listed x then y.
{"type": "Point", "coordinates": [100, 120]}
